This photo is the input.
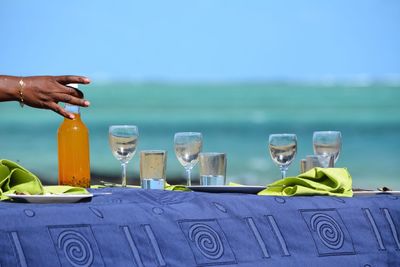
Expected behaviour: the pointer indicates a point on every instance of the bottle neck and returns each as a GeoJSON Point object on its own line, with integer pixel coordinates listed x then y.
{"type": "Point", "coordinates": [76, 119]}
{"type": "Point", "coordinates": [75, 110]}
{"type": "Point", "coordinates": [72, 108]}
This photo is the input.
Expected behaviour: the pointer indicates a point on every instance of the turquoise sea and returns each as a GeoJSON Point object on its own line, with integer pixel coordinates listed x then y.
{"type": "Point", "coordinates": [234, 118]}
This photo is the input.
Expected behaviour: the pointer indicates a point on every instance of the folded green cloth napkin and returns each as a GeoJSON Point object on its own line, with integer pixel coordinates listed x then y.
{"type": "Point", "coordinates": [16, 179]}
{"type": "Point", "coordinates": [317, 181]}
{"type": "Point", "coordinates": [176, 187]}
{"type": "Point", "coordinates": [64, 189]}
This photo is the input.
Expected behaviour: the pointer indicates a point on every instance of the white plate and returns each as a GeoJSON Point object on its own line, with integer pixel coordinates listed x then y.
{"type": "Point", "coordinates": [371, 193]}
{"type": "Point", "coordinates": [252, 189]}
{"type": "Point", "coordinates": [66, 198]}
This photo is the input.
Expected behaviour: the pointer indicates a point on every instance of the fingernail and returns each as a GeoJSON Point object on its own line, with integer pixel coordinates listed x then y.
{"type": "Point", "coordinates": [71, 116]}
{"type": "Point", "coordinates": [87, 103]}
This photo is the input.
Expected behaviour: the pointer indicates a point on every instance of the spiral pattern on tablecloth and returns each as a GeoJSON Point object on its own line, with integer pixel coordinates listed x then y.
{"type": "Point", "coordinates": [206, 240]}
{"type": "Point", "coordinates": [76, 248]}
{"type": "Point", "coordinates": [328, 230]}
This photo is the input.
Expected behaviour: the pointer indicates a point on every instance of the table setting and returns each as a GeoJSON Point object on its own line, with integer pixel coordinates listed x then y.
{"type": "Point", "coordinates": [318, 175]}
{"type": "Point", "coordinates": [315, 218]}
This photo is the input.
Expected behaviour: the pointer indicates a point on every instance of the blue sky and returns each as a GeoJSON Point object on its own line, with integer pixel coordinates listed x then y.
{"type": "Point", "coordinates": [207, 40]}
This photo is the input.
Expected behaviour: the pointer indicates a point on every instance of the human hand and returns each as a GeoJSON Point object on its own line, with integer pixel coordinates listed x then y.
{"type": "Point", "coordinates": [46, 91]}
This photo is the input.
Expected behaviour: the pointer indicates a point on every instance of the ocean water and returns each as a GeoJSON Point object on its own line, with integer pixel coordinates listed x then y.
{"type": "Point", "coordinates": [234, 118]}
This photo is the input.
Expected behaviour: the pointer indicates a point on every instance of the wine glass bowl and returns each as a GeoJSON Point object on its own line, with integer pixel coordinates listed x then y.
{"type": "Point", "coordinates": [282, 148]}
{"type": "Point", "coordinates": [187, 146]}
{"type": "Point", "coordinates": [327, 144]}
{"type": "Point", "coordinates": [123, 142]}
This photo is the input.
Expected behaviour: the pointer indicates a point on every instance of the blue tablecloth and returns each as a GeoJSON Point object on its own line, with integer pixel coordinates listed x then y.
{"type": "Point", "coordinates": [134, 227]}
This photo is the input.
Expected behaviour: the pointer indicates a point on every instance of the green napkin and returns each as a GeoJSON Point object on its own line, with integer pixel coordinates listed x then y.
{"type": "Point", "coordinates": [64, 189]}
{"type": "Point", "coordinates": [317, 181]}
{"type": "Point", "coordinates": [16, 179]}
{"type": "Point", "coordinates": [176, 187]}
{"type": "Point", "coordinates": [234, 184]}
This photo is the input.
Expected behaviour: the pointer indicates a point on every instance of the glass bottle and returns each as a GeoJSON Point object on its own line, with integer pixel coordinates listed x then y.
{"type": "Point", "coordinates": [73, 151]}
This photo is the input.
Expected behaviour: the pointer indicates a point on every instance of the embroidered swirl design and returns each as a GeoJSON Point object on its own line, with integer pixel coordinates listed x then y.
{"type": "Point", "coordinates": [206, 240]}
{"type": "Point", "coordinates": [328, 230]}
{"type": "Point", "coordinates": [76, 248]}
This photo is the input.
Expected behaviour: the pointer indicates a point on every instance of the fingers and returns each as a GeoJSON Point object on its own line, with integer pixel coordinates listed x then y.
{"type": "Point", "coordinates": [77, 95]}
{"type": "Point", "coordinates": [56, 108]}
{"type": "Point", "coordinates": [66, 79]}
{"type": "Point", "coordinates": [66, 98]}
{"type": "Point", "coordinates": [75, 92]}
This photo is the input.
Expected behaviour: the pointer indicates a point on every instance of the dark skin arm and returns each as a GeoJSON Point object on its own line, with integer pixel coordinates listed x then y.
{"type": "Point", "coordinates": [44, 91]}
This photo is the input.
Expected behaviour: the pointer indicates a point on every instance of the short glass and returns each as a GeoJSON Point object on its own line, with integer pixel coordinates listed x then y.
{"type": "Point", "coordinates": [327, 144]}
{"type": "Point", "coordinates": [212, 168]}
{"type": "Point", "coordinates": [152, 169]}
{"type": "Point", "coordinates": [312, 161]}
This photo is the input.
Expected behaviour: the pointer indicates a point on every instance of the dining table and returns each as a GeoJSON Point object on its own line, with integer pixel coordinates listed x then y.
{"type": "Point", "coordinates": [138, 227]}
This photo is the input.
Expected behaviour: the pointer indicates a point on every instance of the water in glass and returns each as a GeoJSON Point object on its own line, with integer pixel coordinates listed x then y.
{"type": "Point", "coordinates": [212, 179]}
{"type": "Point", "coordinates": [188, 145]}
{"type": "Point", "coordinates": [153, 169]}
{"type": "Point", "coordinates": [283, 148]}
{"type": "Point", "coordinates": [123, 142]}
{"type": "Point", "coordinates": [327, 144]}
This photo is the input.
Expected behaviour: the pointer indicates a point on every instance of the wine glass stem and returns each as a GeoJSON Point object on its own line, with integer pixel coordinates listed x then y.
{"type": "Point", "coordinates": [123, 183]}
{"type": "Point", "coordinates": [283, 171]}
{"type": "Point", "coordinates": [188, 182]}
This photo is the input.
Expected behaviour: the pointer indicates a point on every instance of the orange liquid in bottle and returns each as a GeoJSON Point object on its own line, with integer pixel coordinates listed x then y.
{"type": "Point", "coordinates": [73, 153]}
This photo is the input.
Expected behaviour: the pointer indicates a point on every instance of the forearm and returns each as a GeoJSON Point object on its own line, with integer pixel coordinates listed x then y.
{"type": "Point", "coordinates": [9, 88]}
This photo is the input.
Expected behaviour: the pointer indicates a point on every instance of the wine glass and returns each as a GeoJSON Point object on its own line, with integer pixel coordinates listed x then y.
{"type": "Point", "coordinates": [327, 144]}
{"type": "Point", "coordinates": [123, 141]}
{"type": "Point", "coordinates": [187, 148]}
{"type": "Point", "coordinates": [282, 148]}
